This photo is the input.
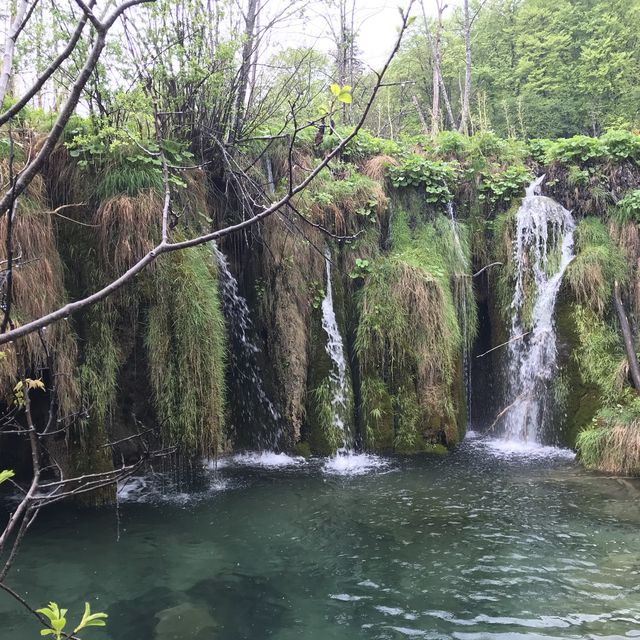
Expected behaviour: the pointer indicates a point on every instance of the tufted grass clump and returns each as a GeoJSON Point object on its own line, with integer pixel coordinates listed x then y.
{"type": "Point", "coordinates": [611, 444]}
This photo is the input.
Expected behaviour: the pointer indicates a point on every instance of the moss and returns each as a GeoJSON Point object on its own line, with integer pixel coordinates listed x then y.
{"type": "Point", "coordinates": [377, 415]}
{"type": "Point", "coordinates": [409, 337]}
{"type": "Point", "coordinates": [185, 345]}
{"type": "Point", "coordinates": [302, 449]}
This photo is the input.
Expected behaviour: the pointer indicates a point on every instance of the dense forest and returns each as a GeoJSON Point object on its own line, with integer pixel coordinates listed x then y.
{"type": "Point", "coordinates": [220, 234]}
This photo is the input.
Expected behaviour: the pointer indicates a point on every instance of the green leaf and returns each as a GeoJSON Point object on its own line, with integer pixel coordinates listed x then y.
{"type": "Point", "coordinates": [6, 474]}
{"type": "Point", "coordinates": [91, 619]}
{"type": "Point", "coordinates": [335, 89]}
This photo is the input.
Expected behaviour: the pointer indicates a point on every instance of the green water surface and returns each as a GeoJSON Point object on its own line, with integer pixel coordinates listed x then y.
{"type": "Point", "coordinates": [481, 544]}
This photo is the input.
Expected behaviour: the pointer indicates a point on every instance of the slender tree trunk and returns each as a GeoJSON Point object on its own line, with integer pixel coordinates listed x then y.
{"type": "Point", "coordinates": [245, 68]}
{"type": "Point", "coordinates": [629, 345]}
{"type": "Point", "coordinates": [466, 94]}
{"type": "Point", "coordinates": [436, 59]}
{"type": "Point", "coordinates": [10, 46]}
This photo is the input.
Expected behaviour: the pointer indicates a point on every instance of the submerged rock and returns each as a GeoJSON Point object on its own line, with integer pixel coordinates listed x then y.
{"type": "Point", "coordinates": [185, 621]}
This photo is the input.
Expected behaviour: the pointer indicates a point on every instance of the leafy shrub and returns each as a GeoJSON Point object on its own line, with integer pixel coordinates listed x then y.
{"type": "Point", "coordinates": [501, 188]}
{"type": "Point", "coordinates": [628, 209]}
{"type": "Point", "coordinates": [539, 149]}
{"type": "Point", "coordinates": [622, 145]}
{"type": "Point", "coordinates": [451, 142]}
{"type": "Point", "coordinates": [578, 148]}
{"type": "Point", "coordinates": [435, 176]}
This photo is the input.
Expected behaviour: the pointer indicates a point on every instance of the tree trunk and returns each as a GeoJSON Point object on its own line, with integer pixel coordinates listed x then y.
{"type": "Point", "coordinates": [628, 338]}
{"type": "Point", "coordinates": [245, 68]}
{"type": "Point", "coordinates": [10, 45]}
{"type": "Point", "coordinates": [436, 58]}
{"type": "Point", "coordinates": [466, 95]}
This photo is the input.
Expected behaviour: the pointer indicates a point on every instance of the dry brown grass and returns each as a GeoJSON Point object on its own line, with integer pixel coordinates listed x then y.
{"type": "Point", "coordinates": [376, 167]}
{"type": "Point", "coordinates": [38, 288]}
{"type": "Point", "coordinates": [127, 228]}
{"type": "Point", "coordinates": [627, 237]}
{"type": "Point", "coordinates": [619, 449]}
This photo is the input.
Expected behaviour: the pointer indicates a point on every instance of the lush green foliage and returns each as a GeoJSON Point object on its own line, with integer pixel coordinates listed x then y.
{"type": "Point", "coordinates": [435, 177]}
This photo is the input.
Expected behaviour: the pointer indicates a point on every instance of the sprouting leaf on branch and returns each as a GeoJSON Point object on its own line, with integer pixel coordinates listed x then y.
{"type": "Point", "coordinates": [91, 619]}
{"type": "Point", "coordinates": [57, 620]}
{"type": "Point", "coordinates": [5, 475]}
{"type": "Point", "coordinates": [342, 94]}
{"type": "Point", "coordinates": [18, 390]}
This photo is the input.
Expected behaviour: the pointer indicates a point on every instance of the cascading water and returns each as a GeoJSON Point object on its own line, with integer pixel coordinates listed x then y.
{"type": "Point", "coordinates": [462, 303]}
{"type": "Point", "coordinates": [339, 386]}
{"type": "Point", "coordinates": [543, 249]}
{"type": "Point", "coordinates": [244, 360]}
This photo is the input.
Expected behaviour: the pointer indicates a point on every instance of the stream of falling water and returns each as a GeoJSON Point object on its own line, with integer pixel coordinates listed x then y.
{"type": "Point", "coordinates": [338, 374]}
{"type": "Point", "coordinates": [543, 249]}
{"type": "Point", "coordinates": [243, 359]}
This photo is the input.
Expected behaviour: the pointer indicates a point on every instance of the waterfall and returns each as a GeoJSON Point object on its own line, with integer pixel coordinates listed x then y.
{"type": "Point", "coordinates": [543, 248]}
{"type": "Point", "coordinates": [462, 291]}
{"type": "Point", "coordinates": [339, 388]}
{"type": "Point", "coordinates": [244, 361]}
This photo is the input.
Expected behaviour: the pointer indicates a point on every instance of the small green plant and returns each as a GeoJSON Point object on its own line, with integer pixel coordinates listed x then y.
{"type": "Point", "coordinates": [58, 621]}
{"type": "Point", "coordinates": [628, 209]}
{"type": "Point", "coordinates": [368, 211]}
{"type": "Point", "coordinates": [501, 188]}
{"type": "Point", "coordinates": [317, 294]}
{"type": "Point", "coordinates": [361, 269]}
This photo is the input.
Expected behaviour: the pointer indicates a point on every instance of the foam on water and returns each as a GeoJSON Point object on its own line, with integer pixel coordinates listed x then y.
{"type": "Point", "coordinates": [268, 459]}
{"type": "Point", "coordinates": [348, 463]}
{"type": "Point", "coordinates": [156, 490]}
{"type": "Point", "coordinates": [504, 448]}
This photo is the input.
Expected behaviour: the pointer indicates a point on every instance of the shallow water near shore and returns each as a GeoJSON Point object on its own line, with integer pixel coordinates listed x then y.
{"type": "Point", "coordinates": [492, 541]}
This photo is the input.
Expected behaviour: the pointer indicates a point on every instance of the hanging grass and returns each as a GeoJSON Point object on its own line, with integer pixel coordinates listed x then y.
{"type": "Point", "coordinates": [185, 344]}
{"type": "Point", "coordinates": [597, 264]}
{"type": "Point", "coordinates": [293, 284]}
{"type": "Point", "coordinates": [38, 288]}
{"type": "Point", "coordinates": [611, 444]}
{"type": "Point", "coordinates": [128, 227]}
{"type": "Point", "coordinates": [599, 355]}
{"type": "Point", "coordinates": [408, 328]}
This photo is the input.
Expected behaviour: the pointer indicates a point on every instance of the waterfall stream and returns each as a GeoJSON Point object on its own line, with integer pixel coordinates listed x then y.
{"type": "Point", "coordinates": [339, 387]}
{"type": "Point", "coordinates": [244, 359]}
{"type": "Point", "coordinates": [543, 248]}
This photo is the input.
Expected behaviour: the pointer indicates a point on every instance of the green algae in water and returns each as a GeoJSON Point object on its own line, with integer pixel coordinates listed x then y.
{"type": "Point", "coordinates": [478, 544]}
